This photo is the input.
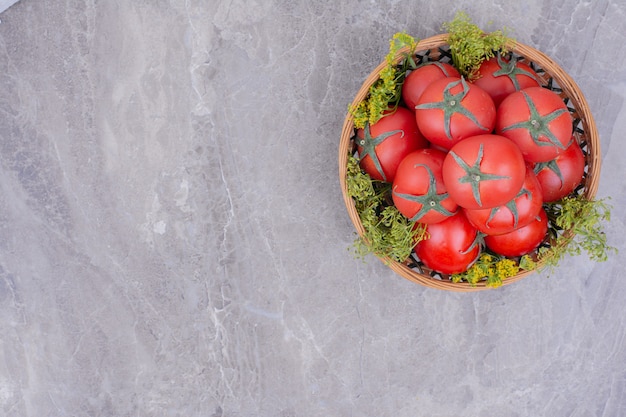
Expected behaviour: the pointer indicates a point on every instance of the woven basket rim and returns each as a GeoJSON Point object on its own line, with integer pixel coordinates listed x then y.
{"type": "Point", "coordinates": [570, 90]}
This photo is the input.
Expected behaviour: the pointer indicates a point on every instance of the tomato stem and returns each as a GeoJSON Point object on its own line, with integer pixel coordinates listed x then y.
{"type": "Point", "coordinates": [537, 125]}
{"type": "Point", "coordinates": [430, 201]}
{"type": "Point", "coordinates": [452, 104]}
{"type": "Point", "coordinates": [473, 175]}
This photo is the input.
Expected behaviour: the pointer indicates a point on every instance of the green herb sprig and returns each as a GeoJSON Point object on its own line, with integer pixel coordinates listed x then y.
{"type": "Point", "coordinates": [385, 93]}
{"type": "Point", "coordinates": [388, 234]}
{"type": "Point", "coordinates": [470, 46]}
{"type": "Point", "coordinates": [577, 228]}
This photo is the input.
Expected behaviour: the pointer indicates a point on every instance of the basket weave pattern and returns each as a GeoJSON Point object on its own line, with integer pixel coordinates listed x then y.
{"type": "Point", "coordinates": [551, 76]}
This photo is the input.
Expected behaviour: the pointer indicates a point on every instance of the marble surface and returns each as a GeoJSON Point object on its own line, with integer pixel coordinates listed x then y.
{"type": "Point", "coordinates": [174, 242]}
{"type": "Point", "coordinates": [5, 4]}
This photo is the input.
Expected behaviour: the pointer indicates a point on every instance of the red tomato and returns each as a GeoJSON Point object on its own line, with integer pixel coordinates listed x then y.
{"type": "Point", "coordinates": [484, 171]}
{"type": "Point", "coordinates": [384, 145]}
{"type": "Point", "coordinates": [538, 121]}
{"type": "Point", "coordinates": [450, 109]}
{"type": "Point", "coordinates": [416, 82]}
{"type": "Point", "coordinates": [522, 240]}
{"type": "Point", "coordinates": [561, 176]}
{"type": "Point", "coordinates": [451, 247]}
{"type": "Point", "coordinates": [516, 213]}
{"type": "Point", "coordinates": [500, 77]}
{"type": "Point", "coordinates": [418, 189]}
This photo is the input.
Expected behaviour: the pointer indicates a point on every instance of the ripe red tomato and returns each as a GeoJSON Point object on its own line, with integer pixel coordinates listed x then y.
{"type": "Point", "coordinates": [522, 240]}
{"type": "Point", "coordinates": [416, 82]}
{"type": "Point", "coordinates": [538, 121]}
{"type": "Point", "coordinates": [500, 77]}
{"type": "Point", "coordinates": [418, 189]}
{"type": "Point", "coordinates": [560, 176]}
{"type": "Point", "coordinates": [518, 212]}
{"type": "Point", "coordinates": [383, 145]}
{"type": "Point", "coordinates": [451, 247]}
{"type": "Point", "coordinates": [484, 171]}
{"type": "Point", "coordinates": [450, 109]}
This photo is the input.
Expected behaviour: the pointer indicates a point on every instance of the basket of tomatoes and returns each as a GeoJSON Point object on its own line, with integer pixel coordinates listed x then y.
{"type": "Point", "coordinates": [468, 161]}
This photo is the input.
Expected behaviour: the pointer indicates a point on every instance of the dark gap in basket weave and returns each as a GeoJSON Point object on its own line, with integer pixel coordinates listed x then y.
{"type": "Point", "coordinates": [578, 126]}
{"type": "Point", "coordinates": [422, 58]}
{"type": "Point", "coordinates": [531, 64]}
{"type": "Point", "coordinates": [581, 187]}
{"type": "Point", "coordinates": [569, 105]}
{"type": "Point", "coordinates": [552, 85]}
{"type": "Point", "coordinates": [438, 275]}
{"type": "Point", "coordinates": [413, 263]}
{"type": "Point", "coordinates": [433, 55]}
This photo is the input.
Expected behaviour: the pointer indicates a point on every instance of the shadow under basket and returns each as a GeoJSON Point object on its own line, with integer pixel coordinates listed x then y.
{"type": "Point", "coordinates": [551, 76]}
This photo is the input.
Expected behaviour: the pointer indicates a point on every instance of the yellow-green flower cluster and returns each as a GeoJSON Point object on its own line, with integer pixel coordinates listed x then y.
{"type": "Point", "coordinates": [490, 268]}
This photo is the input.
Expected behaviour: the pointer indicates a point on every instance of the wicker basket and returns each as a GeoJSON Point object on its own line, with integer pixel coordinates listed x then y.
{"type": "Point", "coordinates": [551, 76]}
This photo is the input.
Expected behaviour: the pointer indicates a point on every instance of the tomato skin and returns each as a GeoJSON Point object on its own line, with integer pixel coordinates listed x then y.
{"type": "Point", "coordinates": [413, 177]}
{"type": "Point", "coordinates": [516, 121]}
{"type": "Point", "coordinates": [416, 82]}
{"type": "Point", "coordinates": [522, 240]}
{"type": "Point", "coordinates": [395, 147]}
{"type": "Point", "coordinates": [500, 220]}
{"type": "Point", "coordinates": [502, 171]}
{"type": "Point", "coordinates": [570, 164]}
{"type": "Point", "coordinates": [496, 77]}
{"type": "Point", "coordinates": [447, 250]}
{"type": "Point", "coordinates": [446, 131]}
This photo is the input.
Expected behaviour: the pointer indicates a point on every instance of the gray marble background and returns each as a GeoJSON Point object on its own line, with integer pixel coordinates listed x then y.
{"type": "Point", "coordinates": [173, 241]}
